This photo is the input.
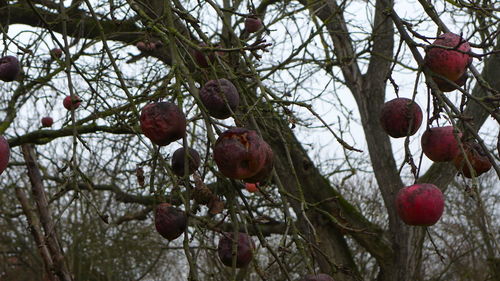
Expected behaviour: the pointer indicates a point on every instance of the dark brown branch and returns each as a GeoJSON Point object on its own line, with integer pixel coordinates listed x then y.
{"type": "Point", "coordinates": [36, 231]}
{"type": "Point", "coordinates": [48, 225]}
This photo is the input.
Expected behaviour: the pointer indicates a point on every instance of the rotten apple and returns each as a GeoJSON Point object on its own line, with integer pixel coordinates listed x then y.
{"type": "Point", "coordinates": [178, 161]}
{"type": "Point", "coordinates": [477, 158]}
{"type": "Point", "coordinates": [163, 122]}
{"type": "Point", "coordinates": [170, 222]}
{"type": "Point", "coordinates": [240, 153]}
{"type": "Point", "coordinates": [220, 97]}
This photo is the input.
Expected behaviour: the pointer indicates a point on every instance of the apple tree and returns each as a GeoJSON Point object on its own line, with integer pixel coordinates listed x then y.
{"type": "Point", "coordinates": [249, 140]}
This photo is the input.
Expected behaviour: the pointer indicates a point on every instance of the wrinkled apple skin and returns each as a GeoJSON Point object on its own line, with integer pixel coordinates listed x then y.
{"type": "Point", "coordinates": [214, 95]}
{"type": "Point", "coordinates": [318, 277]}
{"type": "Point", "coordinates": [477, 158]}
{"type": "Point", "coordinates": [170, 222]}
{"type": "Point", "coordinates": [71, 104]}
{"type": "Point", "coordinates": [439, 144]}
{"type": "Point", "coordinates": [9, 68]}
{"type": "Point", "coordinates": [264, 173]}
{"type": "Point", "coordinates": [47, 121]}
{"type": "Point", "coordinates": [398, 115]}
{"type": "Point", "coordinates": [240, 153]}
{"type": "Point", "coordinates": [253, 24]}
{"type": "Point", "coordinates": [4, 154]}
{"type": "Point", "coordinates": [447, 87]}
{"type": "Point", "coordinates": [448, 63]}
{"type": "Point", "coordinates": [178, 161]}
{"type": "Point", "coordinates": [163, 122]}
{"type": "Point", "coordinates": [420, 204]}
{"type": "Point", "coordinates": [244, 250]}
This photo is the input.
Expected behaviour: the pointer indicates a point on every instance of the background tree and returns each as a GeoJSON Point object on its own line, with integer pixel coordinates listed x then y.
{"type": "Point", "coordinates": [324, 210]}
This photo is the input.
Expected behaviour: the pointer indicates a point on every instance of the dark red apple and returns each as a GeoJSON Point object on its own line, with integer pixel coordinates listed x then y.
{"type": "Point", "coordinates": [318, 277]}
{"type": "Point", "coordinates": [71, 103]}
{"type": "Point", "coordinates": [56, 53]}
{"type": "Point", "coordinates": [220, 97]}
{"type": "Point", "coordinates": [253, 24]}
{"type": "Point", "coordinates": [400, 117]}
{"type": "Point", "coordinates": [439, 144]}
{"type": "Point", "coordinates": [420, 204]}
{"type": "Point", "coordinates": [265, 173]}
{"type": "Point", "coordinates": [448, 63]}
{"type": "Point", "coordinates": [203, 59]}
{"type": "Point", "coordinates": [163, 122]}
{"type": "Point", "coordinates": [170, 222]}
{"type": "Point", "coordinates": [4, 154]}
{"type": "Point", "coordinates": [178, 161]}
{"type": "Point", "coordinates": [244, 249]}
{"type": "Point", "coordinates": [477, 158]}
{"type": "Point", "coordinates": [47, 121]}
{"type": "Point", "coordinates": [9, 68]}
{"type": "Point", "coordinates": [146, 46]}
{"type": "Point", "coordinates": [240, 153]}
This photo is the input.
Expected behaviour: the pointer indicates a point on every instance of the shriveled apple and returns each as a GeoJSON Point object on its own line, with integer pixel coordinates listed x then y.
{"type": "Point", "coordinates": [477, 158]}
{"type": "Point", "coordinates": [178, 161]}
{"type": "Point", "coordinates": [220, 97]}
{"type": "Point", "coordinates": [163, 122]}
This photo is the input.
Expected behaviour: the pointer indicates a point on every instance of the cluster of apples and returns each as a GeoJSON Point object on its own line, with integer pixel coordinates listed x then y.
{"type": "Point", "coordinates": [239, 153]}
{"type": "Point", "coordinates": [423, 204]}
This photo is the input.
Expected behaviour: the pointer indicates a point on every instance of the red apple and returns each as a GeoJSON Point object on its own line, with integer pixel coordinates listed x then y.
{"type": "Point", "coordinates": [244, 249]}
{"type": "Point", "coordinates": [163, 122]}
{"type": "Point", "coordinates": [47, 121]}
{"type": "Point", "coordinates": [400, 117]}
{"type": "Point", "coordinates": [70, 103]}
{"type": "Point", "coordinates": [448, 63]}
{"type": "Point", "coordinates": [240, 153]}
{"type": "Point", "coordinates": [9, 68]}
{"type": "Point", "coordinates": [220, 97]}
{"type": "Point", "coordinates": [170, 222]}
{"type": "Point", "coordinates": [178, 161]}
{"type": "Point", "coordinates": [4, 154]}
{"type": "Point", "coordinates": [253, 24]}
{"type": "Point", "coordinates": [318, 277]}
{"type": "Point", "coordinates": [477, 158]}
{"type": "Point", "coordinates": [420, 204]}
{"type": "Point", "coordinates": [439, 144]}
